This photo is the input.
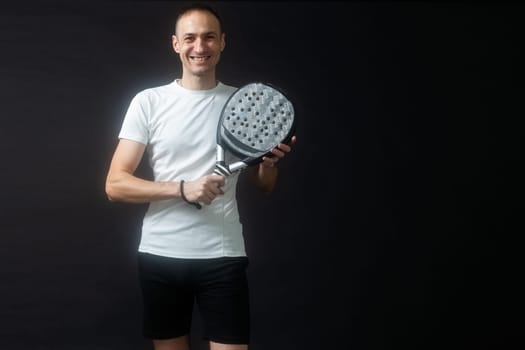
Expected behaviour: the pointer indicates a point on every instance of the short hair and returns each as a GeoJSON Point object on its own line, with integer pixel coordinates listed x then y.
{"type": "Point", "coordinates": [198, 7]}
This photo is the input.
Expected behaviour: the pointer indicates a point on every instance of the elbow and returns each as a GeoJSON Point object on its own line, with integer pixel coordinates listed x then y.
{"type": "Point", "coordinates": [110, 197]}
{"type": "Point", "coordinates": [111, 194]}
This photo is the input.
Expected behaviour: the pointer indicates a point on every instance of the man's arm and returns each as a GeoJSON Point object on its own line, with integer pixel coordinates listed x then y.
{"type": "Point", "coordinates": [123, 186]}
{"type": "Point", "coordinates": [264, 175]}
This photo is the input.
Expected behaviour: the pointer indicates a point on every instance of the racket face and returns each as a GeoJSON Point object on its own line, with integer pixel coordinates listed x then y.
{"type": "Point", "coordinates": [256, 118]}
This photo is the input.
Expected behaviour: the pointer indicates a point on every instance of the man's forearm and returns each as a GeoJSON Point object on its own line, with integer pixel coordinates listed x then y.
{"type": "Point", "coordinates": [264, 177]}
{"type": "Point", "coordinates": [125, 187]}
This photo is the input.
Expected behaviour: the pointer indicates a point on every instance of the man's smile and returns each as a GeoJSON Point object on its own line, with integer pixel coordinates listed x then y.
{"type": "Point", "coordinates": [199, 58]}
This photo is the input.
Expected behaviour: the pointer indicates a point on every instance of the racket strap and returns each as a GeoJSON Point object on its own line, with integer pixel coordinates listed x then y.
{"type": "Point", "coordinates": [196, 205]}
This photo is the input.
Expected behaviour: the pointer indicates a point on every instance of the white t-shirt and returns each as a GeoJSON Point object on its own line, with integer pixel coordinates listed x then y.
{"type": "Point", "coordinates": [179, 128]}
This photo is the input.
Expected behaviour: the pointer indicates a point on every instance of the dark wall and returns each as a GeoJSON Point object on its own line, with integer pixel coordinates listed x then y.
{"type": "Point", "coordinates": [390, 226]}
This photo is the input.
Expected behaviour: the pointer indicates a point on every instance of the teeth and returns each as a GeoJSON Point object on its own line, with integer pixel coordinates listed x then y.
{"type": "Point", "coordinates": [200, 59]}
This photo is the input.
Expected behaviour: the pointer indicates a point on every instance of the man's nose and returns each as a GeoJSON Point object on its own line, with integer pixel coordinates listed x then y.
{"type": "Point", "coordinates": [198, 45]}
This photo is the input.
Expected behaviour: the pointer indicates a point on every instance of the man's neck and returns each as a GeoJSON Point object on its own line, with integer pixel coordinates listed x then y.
{"type": "Point", "coordinates": [197, 83]}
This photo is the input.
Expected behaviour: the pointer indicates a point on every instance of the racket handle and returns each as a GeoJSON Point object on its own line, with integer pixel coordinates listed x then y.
{"type": "Point", "coordinates": [195, 204]}
{"type": "Point", "coordinates": [221, 169]}
{"type": "Point", "coordinates": [224, 170]}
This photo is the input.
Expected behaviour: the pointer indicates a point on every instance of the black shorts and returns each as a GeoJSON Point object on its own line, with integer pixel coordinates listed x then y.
{"type": "Point", "coordinates": [170, 286]}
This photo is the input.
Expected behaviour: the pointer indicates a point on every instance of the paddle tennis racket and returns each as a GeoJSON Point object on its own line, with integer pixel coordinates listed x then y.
{"type": "Point", "coordinates": [255, 119]}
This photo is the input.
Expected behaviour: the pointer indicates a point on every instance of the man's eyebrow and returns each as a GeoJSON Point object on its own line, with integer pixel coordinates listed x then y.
{"type": "Point", "coordinates": [195, 34]}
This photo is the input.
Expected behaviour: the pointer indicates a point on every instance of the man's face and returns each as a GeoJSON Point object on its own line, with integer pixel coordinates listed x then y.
{"type": "Point", "coordinates": [199, 43]}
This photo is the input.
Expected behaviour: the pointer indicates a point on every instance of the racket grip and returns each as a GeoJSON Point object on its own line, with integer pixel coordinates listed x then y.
{"type": "Point", "coordinates": [195, 204]}
{"type": "Point", "coordinates": [222, 169]}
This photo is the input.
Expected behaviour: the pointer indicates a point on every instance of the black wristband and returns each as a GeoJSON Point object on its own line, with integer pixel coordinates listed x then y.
{"type": "Point", "coordinates": [196, 205]}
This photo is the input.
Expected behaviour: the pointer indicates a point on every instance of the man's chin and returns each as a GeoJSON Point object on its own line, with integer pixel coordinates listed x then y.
{"type": "Point", "coordinates": [202, 72]}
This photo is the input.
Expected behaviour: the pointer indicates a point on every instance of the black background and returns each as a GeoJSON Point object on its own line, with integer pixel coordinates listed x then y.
{"type": "Point", "coordinates": [392, 226]}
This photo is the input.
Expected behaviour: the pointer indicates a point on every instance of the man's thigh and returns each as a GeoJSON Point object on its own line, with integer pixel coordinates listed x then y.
{"type": "Point", "coordinates": [223, 301]}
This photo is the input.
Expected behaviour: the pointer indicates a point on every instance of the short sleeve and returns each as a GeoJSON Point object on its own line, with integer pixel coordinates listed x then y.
{"type": "Point", "coordinates": [135, 124]}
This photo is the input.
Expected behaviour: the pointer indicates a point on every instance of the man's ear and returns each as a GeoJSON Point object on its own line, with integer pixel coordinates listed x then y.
{"type": "Point", "coordinates": [175, 43]}
{"type": "Point", "coordinates": [223, 42]}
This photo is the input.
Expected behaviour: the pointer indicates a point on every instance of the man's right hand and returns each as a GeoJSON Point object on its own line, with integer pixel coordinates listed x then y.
{"type": "Point", "coordinates": [204, 190]}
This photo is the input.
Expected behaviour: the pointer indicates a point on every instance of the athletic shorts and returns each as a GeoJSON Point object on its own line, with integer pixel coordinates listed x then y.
{"type": "Point", "coordinates": [170, 286]}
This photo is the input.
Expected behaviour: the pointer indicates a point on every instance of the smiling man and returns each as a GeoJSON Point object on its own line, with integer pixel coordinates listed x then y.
{"type": "Point", "coordinates": [199, 41]}
{"type": "Point", "coordinates": [187, 255]}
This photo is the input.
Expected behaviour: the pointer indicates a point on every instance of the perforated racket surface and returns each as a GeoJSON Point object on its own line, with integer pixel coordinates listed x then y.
{"type": "Point", "coordinates": [255, 119]}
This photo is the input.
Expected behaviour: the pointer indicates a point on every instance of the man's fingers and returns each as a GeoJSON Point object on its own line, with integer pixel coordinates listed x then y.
{"type": "Point", "coordinates": [284, 148]}
{"type": "Point", "coordinates": [218, 180]}
{"type": "Point", "coordinates": [216, 189]}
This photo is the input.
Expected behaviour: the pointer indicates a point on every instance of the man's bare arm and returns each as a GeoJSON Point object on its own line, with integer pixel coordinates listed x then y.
{"type": "Point", "coordinates": [123, 186]}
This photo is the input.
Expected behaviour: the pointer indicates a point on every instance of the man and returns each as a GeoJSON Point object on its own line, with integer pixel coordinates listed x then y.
{"type": "Point", "coordinates": [187, 254]}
